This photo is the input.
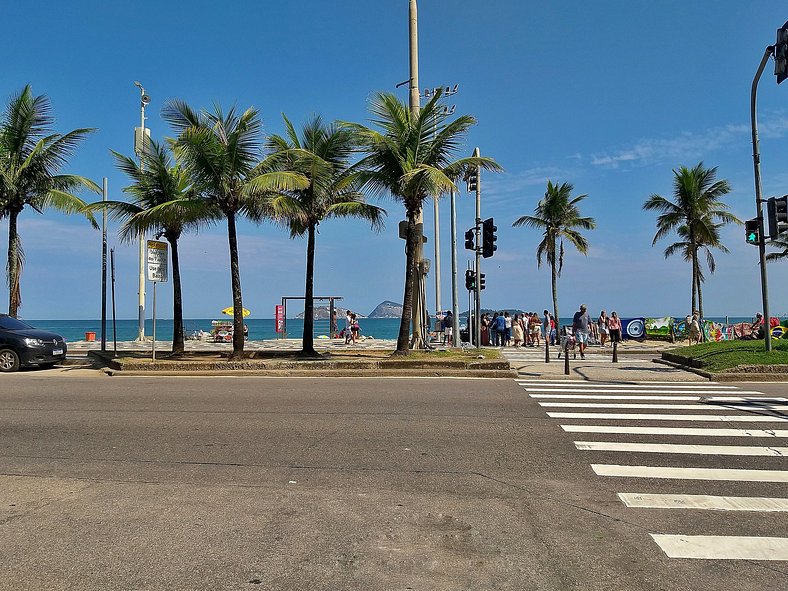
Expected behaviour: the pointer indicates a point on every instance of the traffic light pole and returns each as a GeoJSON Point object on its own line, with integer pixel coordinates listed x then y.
{"type": "Point", "coordinates": [478, 307]}
{"type": "Point", "coordinates": [756, 158]}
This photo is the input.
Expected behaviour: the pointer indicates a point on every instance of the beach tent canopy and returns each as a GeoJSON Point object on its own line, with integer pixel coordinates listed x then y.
{"type": "Point", "coordinates": [229, 311]}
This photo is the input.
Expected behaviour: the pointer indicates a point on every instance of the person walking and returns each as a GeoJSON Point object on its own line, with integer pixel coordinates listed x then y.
{"type": "Point", "coordinates": [517, 330]}
{"type": "Point", "coordinates": [694, 329]}
{"type": "Point", "coordinates": [507, 329]}
{"type": "Point", "coordinates": [485, 330]}
{"type": "Point", "coordinates": [448, 329]}
{"type": "Point", "coordinates": [334, 326]}
{"type": "Point", "coordinates": [348, 326]}
{"type": "Point", "coordinates": [494, 330]}
{"type": "Point", "coordinates": [500, 329]}
{"type": "Point", "coordinates": [580, 325]}
{"type": "Point", "coordinates": [602, 327]}
{"type": "Point", "coordinates": [614, 327]}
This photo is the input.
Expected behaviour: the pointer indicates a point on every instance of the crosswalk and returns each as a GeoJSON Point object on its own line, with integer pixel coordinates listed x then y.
{"type": "Point", "coordinates": [713, 451]}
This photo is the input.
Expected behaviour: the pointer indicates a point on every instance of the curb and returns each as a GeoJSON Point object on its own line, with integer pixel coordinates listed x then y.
{"type": "Point", "coordinates": [493, 368]}
{"type": "Point", "coordinates": [336, 373]}
{"type": "Point", "coordinates": [725, 376]}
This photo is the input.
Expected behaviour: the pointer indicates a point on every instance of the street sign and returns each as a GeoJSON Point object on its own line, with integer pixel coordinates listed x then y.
{"type": "Point", "coordinates": [157, 261]}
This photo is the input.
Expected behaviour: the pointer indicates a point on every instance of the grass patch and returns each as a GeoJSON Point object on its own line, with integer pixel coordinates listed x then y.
{"type": "Point", "coordinates": [728, 354]}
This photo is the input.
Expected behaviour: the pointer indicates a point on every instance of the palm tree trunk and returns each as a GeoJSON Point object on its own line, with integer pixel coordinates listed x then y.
{"type": "Point", "coordinates": [308, 342]}
{"type": "Point", "coordinates": [700, 296]}
{"type": "Point", "coordinates": [235, 276]}
{"type": "Point", "coordinates": [554, 283]}
{"type": "Point", "coordinates": [407, 300]}
{"type": "Point", "coordinates": [14, 268]}
{"type": "Point", "coordinates": [694, 275]}
{"type": "Point", "coordinates": [178, 346]}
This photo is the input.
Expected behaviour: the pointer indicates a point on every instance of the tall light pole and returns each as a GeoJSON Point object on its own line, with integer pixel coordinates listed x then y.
{"type": "Point", "coordinates": [436, 210]}
{"type": "Point", "coordinates": [140, 135]}
{"type": "Point", "coordinates": [417, 313]}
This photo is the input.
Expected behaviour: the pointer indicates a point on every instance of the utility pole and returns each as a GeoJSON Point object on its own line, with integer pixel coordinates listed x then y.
{"type": "Point", "coordinates": [140, 135]}
{"type": "Point", "coordinates": [417, 312]}
{"type": "Point", "coordinates": [104, 268]}
{"type": "Point", "coordinates": [435, 200]}
{"type": "Point", "coordinates": [455, 307]}
{"type": "Point", "coordinates": [478, 310]}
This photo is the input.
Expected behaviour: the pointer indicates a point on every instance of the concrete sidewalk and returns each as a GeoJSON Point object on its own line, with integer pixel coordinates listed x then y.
{"type": "Point", "coordinates": [635, 364]}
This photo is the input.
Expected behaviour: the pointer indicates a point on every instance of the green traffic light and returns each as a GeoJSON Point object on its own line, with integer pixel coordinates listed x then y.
{"type": "Point", "coordinates": [752, 237]}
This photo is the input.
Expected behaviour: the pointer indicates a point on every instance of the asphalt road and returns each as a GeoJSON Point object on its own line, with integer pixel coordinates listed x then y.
{"type": "Point", "coordinates": [278, 483]}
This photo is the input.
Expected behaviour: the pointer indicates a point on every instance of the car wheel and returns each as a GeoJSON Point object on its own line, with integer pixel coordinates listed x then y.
{"type": "Point", "coordinates": [9, 360]}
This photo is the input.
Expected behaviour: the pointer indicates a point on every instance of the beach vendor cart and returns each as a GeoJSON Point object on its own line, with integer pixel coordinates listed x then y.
{"type": "Point", "coordinates": [222, 330]}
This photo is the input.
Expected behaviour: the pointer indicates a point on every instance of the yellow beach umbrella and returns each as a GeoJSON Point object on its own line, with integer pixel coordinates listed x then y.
{"type": "Point", "coordinates": [229, 311]}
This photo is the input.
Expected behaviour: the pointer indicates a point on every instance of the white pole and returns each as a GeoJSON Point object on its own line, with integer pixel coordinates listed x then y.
{"type": "Point", "coordinates": [154, 321]}
{"type": "Point", "coordinates": [417, 337]}
{"type": "Point", "coordinates": [141, 278]}
{"type": "Point", "coordinates": [437, 269]}
{"type": "Point", "coordinates": [455, 307]}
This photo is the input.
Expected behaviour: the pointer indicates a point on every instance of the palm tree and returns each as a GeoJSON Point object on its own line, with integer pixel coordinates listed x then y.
{"type": "Point", "coordinates": [685, 248]}
{"type": "Point", "coordinates": [221, 154]}
{"type": "Point", "coordinates": [697, 205]}
{"type": "Point", "coordinates": [158, 182]}
{"type": "Point", "coordinates": [31, 156]}
{"type": "Point", "coordinates": [411, 158]}
{"type": "Point", "coordinates": [321, 155]}
{"type": "Point", "coordinates": [780, 242]}
{"type": "Point", "coordinates": [558, 215]}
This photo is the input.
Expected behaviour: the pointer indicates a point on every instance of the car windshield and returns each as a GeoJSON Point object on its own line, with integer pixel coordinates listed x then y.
{"type": "Point", "coordinates": [9, 323]}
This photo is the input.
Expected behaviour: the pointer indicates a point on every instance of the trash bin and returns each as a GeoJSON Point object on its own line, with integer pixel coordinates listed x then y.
{"type": "Point", "coordinates": [90, 336]}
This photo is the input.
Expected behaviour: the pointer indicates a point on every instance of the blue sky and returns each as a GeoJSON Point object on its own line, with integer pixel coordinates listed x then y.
{"type": "Point", "coordinates": [609, 96]}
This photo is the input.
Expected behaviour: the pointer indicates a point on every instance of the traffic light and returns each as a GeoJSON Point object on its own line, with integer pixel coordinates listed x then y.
{"type": "Point", "coordinates": [751, 232]}
{"type": "Point", "coordinates": [481, 281]}
{"type": "Point", "coordinates": [781, 54]}
{"type": "Point", "coordinates": [470, 280]}
{"type": "Point", "coordinates": [469, 240]}
{"type": "Point", "coordinates": [777, 209]}
{"type": "Point", "coordinates": [472, 179]}
{"type": "Point", "coordinates": [488, 238]}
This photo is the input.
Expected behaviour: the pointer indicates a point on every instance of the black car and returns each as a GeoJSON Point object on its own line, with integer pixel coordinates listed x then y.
{"type": "Point", "coordinates": [23, 345]}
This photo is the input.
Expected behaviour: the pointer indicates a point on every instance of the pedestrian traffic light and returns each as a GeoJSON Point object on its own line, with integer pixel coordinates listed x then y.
{"type": "Point", "coordinates": [470, 280]}
{"type": "Point", "coordinates": [481, 281]}
{"type": "Point", "coordinates": [472, 179]}
{"type": "Point", "coordinates": [751, 232]}
{"type": "Point", "coordinates": [488, 238]}
{"type": "Point", "coordinates": [777, 209]}
{"type": "Point", "coordinates": [781, 54]}
{"type": "Point", "coordinates": [469, 241]}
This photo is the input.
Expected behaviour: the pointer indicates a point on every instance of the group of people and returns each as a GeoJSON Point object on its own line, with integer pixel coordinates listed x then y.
{"type": "Point", "coordinates": [352, 329]}
{"type": "Point", "coordinates": [520, 330]}
{"type": "Point", "coordinates": [584, 329]}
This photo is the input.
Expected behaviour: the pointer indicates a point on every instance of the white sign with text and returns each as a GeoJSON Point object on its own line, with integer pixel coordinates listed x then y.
{"type": "Point", "coordinates": [157, 261]}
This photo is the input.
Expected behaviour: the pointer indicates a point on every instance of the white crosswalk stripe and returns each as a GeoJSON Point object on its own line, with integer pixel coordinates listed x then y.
{"type": "Point", "coordinates": [677, 448]}
{"type": "Point", "coordinates": [689, 431]}
{"type": "Point", "coordinates": [707, 502]}
{"type": "Point", "coordinates": [621, 416]}
{"type": "Point", "coordinates": [723, 547]}
{"type": "Point", "coordinates": [627, 408]}
{"type": "Point", "coordinates": [650, 397]}
{"type": "Point", "coordinates": [674, 472]}
{"type": "Point", "coordinates": [748, 406]}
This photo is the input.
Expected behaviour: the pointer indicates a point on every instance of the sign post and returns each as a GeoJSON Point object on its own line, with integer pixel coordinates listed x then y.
{"type": "Point", "coordinates": [279, 318]}
{"type": "Point", "coordinates": [157, 272]}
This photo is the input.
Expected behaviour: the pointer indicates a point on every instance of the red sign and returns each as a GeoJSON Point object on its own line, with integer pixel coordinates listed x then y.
{"type": "Point", "coordinates": [279, 316]}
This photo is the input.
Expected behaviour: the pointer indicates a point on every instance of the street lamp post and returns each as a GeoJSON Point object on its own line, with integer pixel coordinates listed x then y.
{"type": "Point", "coordinates": [140, 134]}
{"type": "Point", "coordinates": [448, 91]}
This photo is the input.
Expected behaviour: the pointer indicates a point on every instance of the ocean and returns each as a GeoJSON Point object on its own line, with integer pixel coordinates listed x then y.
{"type": "Point", "coordinates": [259, 328]}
